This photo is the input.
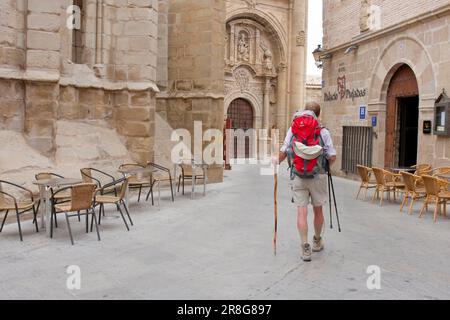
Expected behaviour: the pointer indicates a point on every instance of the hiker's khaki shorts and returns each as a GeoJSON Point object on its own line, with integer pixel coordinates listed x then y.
{"type": "Point", "coordinates": [306, 191]}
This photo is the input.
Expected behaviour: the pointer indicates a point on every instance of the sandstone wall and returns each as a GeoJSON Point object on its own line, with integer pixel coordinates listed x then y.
{"type": "Point", "coordinates": [425, 47]}
{"type": "Point", "coordinates": [196, 30]}
{"type": "Point", "coordinates": [113, 83]}
{"type": "Point", "coordinates": [341, 19]}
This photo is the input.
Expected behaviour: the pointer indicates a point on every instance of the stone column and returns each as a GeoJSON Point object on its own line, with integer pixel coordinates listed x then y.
{"type": "Point", "coordinates": [233, 43]}
{"type": "Point", "coordinates": [298, 55]}
{"type": "Point", "coordinates": [282, 107]}
{"type": "Point", "coordinates": [266, 111]}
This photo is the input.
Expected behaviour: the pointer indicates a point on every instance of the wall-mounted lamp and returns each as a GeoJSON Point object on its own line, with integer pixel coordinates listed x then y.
{"type": "Point", "coordinates": [351, 49]}
{"type": "Point", "coordinates": [319, 56]}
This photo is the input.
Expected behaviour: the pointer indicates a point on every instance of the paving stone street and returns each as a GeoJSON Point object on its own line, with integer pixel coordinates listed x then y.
{"type": "Point", "coordinates": [220, 247]}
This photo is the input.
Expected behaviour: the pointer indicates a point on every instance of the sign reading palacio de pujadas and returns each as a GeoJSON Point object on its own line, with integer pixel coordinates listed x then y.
{"type": "Point", "coordinates": [343, 92]}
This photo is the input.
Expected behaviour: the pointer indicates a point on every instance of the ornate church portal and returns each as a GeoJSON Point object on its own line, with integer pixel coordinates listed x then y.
{"type": "Point", "coordinates": [265, 62]}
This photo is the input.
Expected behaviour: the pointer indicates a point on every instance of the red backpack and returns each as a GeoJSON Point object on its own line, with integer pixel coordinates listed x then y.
{"type": "Point", "coordinates": [306, 129]}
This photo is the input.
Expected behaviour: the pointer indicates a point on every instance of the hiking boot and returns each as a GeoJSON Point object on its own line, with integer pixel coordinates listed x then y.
{"type": "Point", "coordinates": [317, 244]}
{"type": "Point", "coordinates": [306, 252]}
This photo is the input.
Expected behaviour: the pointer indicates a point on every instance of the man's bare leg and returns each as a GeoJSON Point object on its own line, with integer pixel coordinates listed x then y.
{"type": "Point", "coordinates": [302, 225]}
{"type": "Point", "coordinates": [318, 228]}
{"type": "Point", "coordinates": [318, 221]}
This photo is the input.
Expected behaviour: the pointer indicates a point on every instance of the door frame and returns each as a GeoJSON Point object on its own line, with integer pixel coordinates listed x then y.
{"type": "Point", "coordinates": [403, 84]}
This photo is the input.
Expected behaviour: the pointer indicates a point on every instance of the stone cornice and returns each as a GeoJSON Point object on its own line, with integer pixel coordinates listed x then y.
{"type": "Point", "coordinates": [29, 75]}
{"type": "Point", "coordinates": [53, 76]}
{"type": "Point", "coordinates": [109, 85]}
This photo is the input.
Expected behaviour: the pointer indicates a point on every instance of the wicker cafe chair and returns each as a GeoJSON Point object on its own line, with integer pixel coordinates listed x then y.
{"type": "Point", "coordinates": [87, 174]}
{"type": "Point", "coordinates": [81, 200]}
{"type": "Point", "coordinates": [118, 201]}
{"type": "Point", "coordinates": [412, 190]}
{"type": "Point", "coordinates": [162, 175]}
{"type": "Point", "coordinates": [422, 169]}
{"type": "Point", "coordinates": [9, 202]}
{"type": "Point", "coordinates": [440, 171]}
{"type": "Point", "coordinates": [366, 182]}
{"type": "Point", "coordinates": [435, 195]}
{"type": "Point", "coordinates": [386, 182]}
{"type": "Point", "coordinates": [137, 181]}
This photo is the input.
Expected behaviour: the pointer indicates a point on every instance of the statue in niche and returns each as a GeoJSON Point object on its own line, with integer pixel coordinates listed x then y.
{"type": "Point", "coordinates": [301, 38]}
{"type": "Point", "coordinates": [243, 48]}
{"type": "Point", "coordinates": [267, 57]}
{"type": "Point", "coordinates": [364, 16]}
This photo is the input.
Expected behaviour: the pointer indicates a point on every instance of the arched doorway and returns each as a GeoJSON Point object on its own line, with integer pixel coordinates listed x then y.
{"type": "Point", "coordinates": [240, 113]}
{"type": "Point", "coordinates": [402, 119]}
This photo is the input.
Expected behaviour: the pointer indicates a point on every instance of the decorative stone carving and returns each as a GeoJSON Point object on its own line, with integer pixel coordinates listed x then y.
{"type": "Point", "coordinates": [100, 71]}
{"type": "Point", "coordinates": [242, 79]}
{"type": "Point", "coordinates": [251, 4]}
{"type": "Point", "coordinates": [364, 16]}
{"type": "Point", "coordinates": [267, 57]}
{"type": "Point", "coordinates": [243, 47]}
{"type": "Point", "coordinates": [272, 94]}
{"type": "Point", "coordinates": [301, 38]}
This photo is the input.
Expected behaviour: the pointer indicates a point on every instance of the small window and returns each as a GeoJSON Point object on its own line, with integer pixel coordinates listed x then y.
{"type": "Point", "coordinates": [78, 36]}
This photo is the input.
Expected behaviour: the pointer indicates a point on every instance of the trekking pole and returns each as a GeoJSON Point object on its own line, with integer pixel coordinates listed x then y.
{"type": "Point", "coordinates": [329, 201]}
{"type": "Point", "coordinates": [334, 198]}
{"type": "Point", "coordinates": [275, 189]}
{"type": "Point", "coordinates": [329, 193]}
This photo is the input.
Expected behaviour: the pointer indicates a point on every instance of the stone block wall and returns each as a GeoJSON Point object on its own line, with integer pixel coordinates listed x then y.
{"type": "Point", "coordinates": [12, 34]}
{"type": "Point", "coordinates": [135, 120]}
{"type": "Point", "coordinates": [43, 41]}
{"type": "Point", "coordinates": [195, 92]}
{"type": "Point", "coordinates": [424, 46]}
{"type": "Point", "coordinates": [341, 19]}
{"type": "Point", "coordinates": [41, 106]}
{"type": "Point", "coordinates": [12, 105]}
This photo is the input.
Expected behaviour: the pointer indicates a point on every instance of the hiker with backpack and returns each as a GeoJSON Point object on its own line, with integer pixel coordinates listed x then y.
{"type": "Point", "coordinates": [309, 149]}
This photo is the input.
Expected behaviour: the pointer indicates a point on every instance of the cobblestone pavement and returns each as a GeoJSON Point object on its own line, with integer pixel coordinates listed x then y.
{"type": "Point", "coordinates": [220, 247]}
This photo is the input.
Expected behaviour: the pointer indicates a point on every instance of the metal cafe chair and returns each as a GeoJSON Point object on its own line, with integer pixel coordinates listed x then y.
{"type": "Point", "coordinates": [9, 202]}
{"type": "Point", "coordinates": [189, 172]}
{"type": "Point", "coordinates": [135, 181]}
{"type": "Point", "coordinates": [119, 201]}
{"type": "Point", "coordinates": [161, 175]}
{"type": "Point", "coordinates": [81, 200]}
{"type": "Point", "coordinates": [87, 174]}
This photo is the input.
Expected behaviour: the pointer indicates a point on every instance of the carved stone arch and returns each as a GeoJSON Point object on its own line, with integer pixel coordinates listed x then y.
{"type": "Point", "coordinates": [270, 23]}
{"type": "Point", "coordinates": [403, 50]}
{"type": "Point", "coordinates": [247, 66]}
{"type": "Point", "coordinates": [252, 99]}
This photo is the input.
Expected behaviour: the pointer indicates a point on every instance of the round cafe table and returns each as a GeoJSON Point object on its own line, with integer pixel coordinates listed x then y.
{"type": "Point", "coordinates": [138, 171]}
{"type": "Point", "coordinates": [45, 208]}
{"type": "Point", "coordinates": [404, 169]}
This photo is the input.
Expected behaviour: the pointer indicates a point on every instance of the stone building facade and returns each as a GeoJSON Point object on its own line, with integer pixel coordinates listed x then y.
{"type": "Point", "coordinates": [103, 82]}
{"type": "Point", "coordinates": [385, 71]}
{"type": "Point", "coordinates": [82, 82]}
{"type": "Point", "coordinates": [265, 60]}
{"type": "Point", "coordinates": [78, 89]}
